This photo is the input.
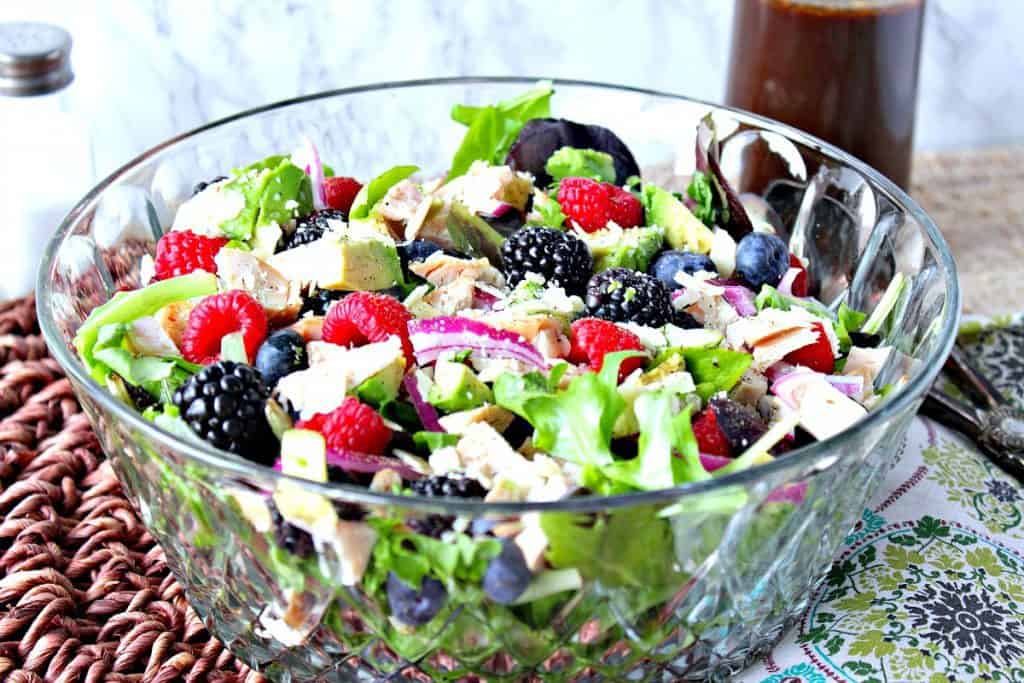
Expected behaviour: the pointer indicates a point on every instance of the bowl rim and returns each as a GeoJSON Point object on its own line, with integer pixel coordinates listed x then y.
{"type": "Point", "coordinates": [807, 456]}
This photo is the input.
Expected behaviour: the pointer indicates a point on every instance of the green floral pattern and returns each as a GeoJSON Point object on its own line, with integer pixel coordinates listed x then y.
{"type": "Point", "coordinates": [931, 585]}
{"type": "Point", "coordinates": [977, 486]}
{"type": "Point", "coordinates": [922, 601]}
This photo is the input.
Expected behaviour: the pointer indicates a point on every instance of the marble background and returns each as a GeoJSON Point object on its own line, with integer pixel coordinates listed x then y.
{"type": "Point", "coordinates": [147, 69]}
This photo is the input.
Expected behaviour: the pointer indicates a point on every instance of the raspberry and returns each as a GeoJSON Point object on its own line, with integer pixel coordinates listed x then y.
{"type": "Point", "coordinates": [340, 192]}
{"type": "Point", "coordinates": [352, 426]}
{"type": "Point", "coordinates": [592, 204]}
{"type": "Point", "coordinates": [710, 437]}
{"type": "Point", "coordinates": [817, 356]}
{"type": "Point", "coordinates": [219, 315]}
{"type": "Point", "coordinates": [592, 339]}
{"type": "Point", "coordinates": [799, 286]}
{"type": "Point", "coordinates": [363, 317]}
{"type": "Point", "coordinates": [179, 252]}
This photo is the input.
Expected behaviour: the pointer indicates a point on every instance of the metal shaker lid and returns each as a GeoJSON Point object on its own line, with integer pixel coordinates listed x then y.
{"type": "Point", "coordinates": [35, 58]}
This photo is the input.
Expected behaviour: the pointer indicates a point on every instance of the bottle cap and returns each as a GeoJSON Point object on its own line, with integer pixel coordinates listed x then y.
{"type": "Point", "coordinates": [35, 59]}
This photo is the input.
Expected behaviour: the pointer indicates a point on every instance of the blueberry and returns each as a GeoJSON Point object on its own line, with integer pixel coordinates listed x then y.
{"type": "Point", "coordinates": [761, 259]}
{"type": "Point", "coordinates": [281, 354]}
{"type": "Point", "coordinates": [507, 575]}
{"type": "Point", "coordinates": [416, 250]}
{"type": "Point", "coordinates": [415, 607]}
{"type": "Point", "coordinates": [671, 262]}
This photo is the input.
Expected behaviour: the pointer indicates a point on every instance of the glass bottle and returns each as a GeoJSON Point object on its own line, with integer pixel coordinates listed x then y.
{"type": "Point", "coordinates": [843, 70]}
{"type": "Point", "coordinates": [47, 162]}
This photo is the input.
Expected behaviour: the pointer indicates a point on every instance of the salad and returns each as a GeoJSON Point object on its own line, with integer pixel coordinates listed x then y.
{"type": "Point", "coordinates": [538, 323]}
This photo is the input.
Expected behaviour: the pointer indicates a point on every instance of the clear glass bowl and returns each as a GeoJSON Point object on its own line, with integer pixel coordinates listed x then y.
{"type": "Point", "coordinates": [732, 561]}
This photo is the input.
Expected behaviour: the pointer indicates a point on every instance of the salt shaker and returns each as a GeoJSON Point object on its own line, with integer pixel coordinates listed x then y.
{"type": "Point", "coordinates": [47, 163]}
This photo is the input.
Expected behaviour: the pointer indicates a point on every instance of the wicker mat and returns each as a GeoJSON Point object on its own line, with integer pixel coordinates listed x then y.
{"type": "Point", "coordinates": [85, 594]}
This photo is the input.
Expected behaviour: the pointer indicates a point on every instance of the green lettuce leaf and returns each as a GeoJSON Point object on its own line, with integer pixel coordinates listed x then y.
{"type": "Point", "coordinates": [493, 129]}
{"type": "Point", "coordinates": [550, 211]}
{"type": "Point", "coordinates": [581, 163]}
{"type": "Point", "coordinates": [124, 307]}
{"type": "Point", "coordinates": [701, 192]}
{"type": "Point", "coordinates": [275, 191]}
{"type": "Point", "coordinates": [511, 390]}
{"type": "Point", "coordinates": [432, 441]}
{"type": "Point", "coordinates": [374, 191]}
{"type": "Point", "coordinates": [715, 370]}
{"type": "Point", "coordinates": [629, 547]}
{"type": "Point", "coordinates": [411, 556]}
{"type": "Point", "coordinates": [663, 433]}
{"type": "Point", "coordinates": [576, 423]}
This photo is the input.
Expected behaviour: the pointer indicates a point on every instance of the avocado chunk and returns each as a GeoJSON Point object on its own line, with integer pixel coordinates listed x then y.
{"type": "Point", "coordinates": [683, 230]}
{"type": "Point", "coordinates": [275, 192]}
{"type": "Point", "coordinates": [457, 388]}
{"type": "Point", "coordinates": [616, 247]}
{"type": "Point", "coordinates": [304, 454]}
{"type": "Point", "coordinates": [382, 387]}
{"type": "Point", "coordinates": [352, 259]}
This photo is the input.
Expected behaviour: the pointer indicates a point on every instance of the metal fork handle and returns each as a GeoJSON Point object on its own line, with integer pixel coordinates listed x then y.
{"type": "Point", "coordinates": [953, 413]}
{"type": "Point", "coordinates": [972, 381]}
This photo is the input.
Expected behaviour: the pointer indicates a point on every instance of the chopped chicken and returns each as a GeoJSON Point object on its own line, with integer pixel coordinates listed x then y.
{"type": "Point", "coordinates": [866, 363]}
{"type": "Point", "coordinates": [822, 409]}
{"type": "Point", "coordinates": [399, 206]}
{"type": "Point", "coordinates": [354, 543]}
{"type": "Point", "coordinates": [532, 541]}
{"type": "Point", "coordinates": [173, 318]}
{"type": "Point", "coordinates": [334, 371]}
{"type": "Point", "coordinates": [484, 188]}
{"type": "Point", "coordinates": [204, 213]}
{"type": "Point", "coordinates": [751, 387]}
{"type": "Point", "coordinates": [311, 328]}
{"type": "Point", "coordinates": [450, 298]}
{"type": "Point", "coordinates": [386, 481]}
{"type": "Point", "coordinates": [147, 337]}
{"type": "Point", "coordinates": [546, 332]}
{"type": "Point", "coordinates": [280, 298]}
{"type": "Point", "coordinates": [430, 222]}
{"type": "Point", "coordinates": [493, 416]}
{"type": "Point", "coordinates": [441, 269]}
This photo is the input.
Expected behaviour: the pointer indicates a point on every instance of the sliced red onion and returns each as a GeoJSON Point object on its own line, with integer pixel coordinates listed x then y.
{"type": "Point", "coordinates": [434, 336]}
{"type": "Point", "coordinates": [713, 462]}
{"type": "Point", "coordinates": [354, 461]}
{"type": "Point", "coordinates": [850, 385]}
{"type": "Point", "coordinates": [308, 158]}
{"type": "Point", "coordinates": [786, 283]}
{"type": "Point", "coordinates": [426, 412]}
{"type": "Point", "coordinates": [784, 385]}
{"type": "Point", "coordinates": [776, 371]}
{"type": "Point", "coordinates": [740, 298]}
{"type": "Point", "coordinates": [500, 209]}
{"type": "Point", "coordinates": [788, 493]}
{"type": "Point", "coordinates": [483, 299]}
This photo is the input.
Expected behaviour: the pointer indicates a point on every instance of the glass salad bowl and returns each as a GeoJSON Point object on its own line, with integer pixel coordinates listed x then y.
{"type": "Point", "coordinates": [689, 583]}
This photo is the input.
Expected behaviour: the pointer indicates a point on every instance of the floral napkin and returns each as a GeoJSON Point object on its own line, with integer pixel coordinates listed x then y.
{"type": "Point", "coordinates": [930, 584]}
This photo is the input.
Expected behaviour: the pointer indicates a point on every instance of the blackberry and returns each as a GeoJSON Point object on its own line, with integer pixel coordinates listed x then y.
{"type": "Point", "coordinates": [296, 541]}
{"type": "Point", "coordinates": [311, 228]}
{"type": "Point", "coordinates": [223, 403]}
{"type": "Point", "coordinates": [685, 320]}
{"type": "Point", "coordinates": [442, 486]}
{"type": "Point", "coordinates": [626, 296]}
{"type": "Point", "coordinates": [139, 396]}
{"type": "Point", "coordinates": [431, 525]}
{"type": "Point", "coordinates": [203, 184]}
{"type": "Point", "coordinates": [319, 300]}
{"type": "Point", "coordinates": [559, 257]}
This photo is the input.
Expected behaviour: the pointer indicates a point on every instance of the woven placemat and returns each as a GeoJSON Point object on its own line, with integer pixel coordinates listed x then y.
{"type": "Point", "coordinates": [85, 594]}
{"type": "Point", "coordinates": [977, 199]}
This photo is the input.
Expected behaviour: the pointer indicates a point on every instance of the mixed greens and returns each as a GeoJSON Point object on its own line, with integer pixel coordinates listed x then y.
{"type": "Point", "coordinates": [539, 323]}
